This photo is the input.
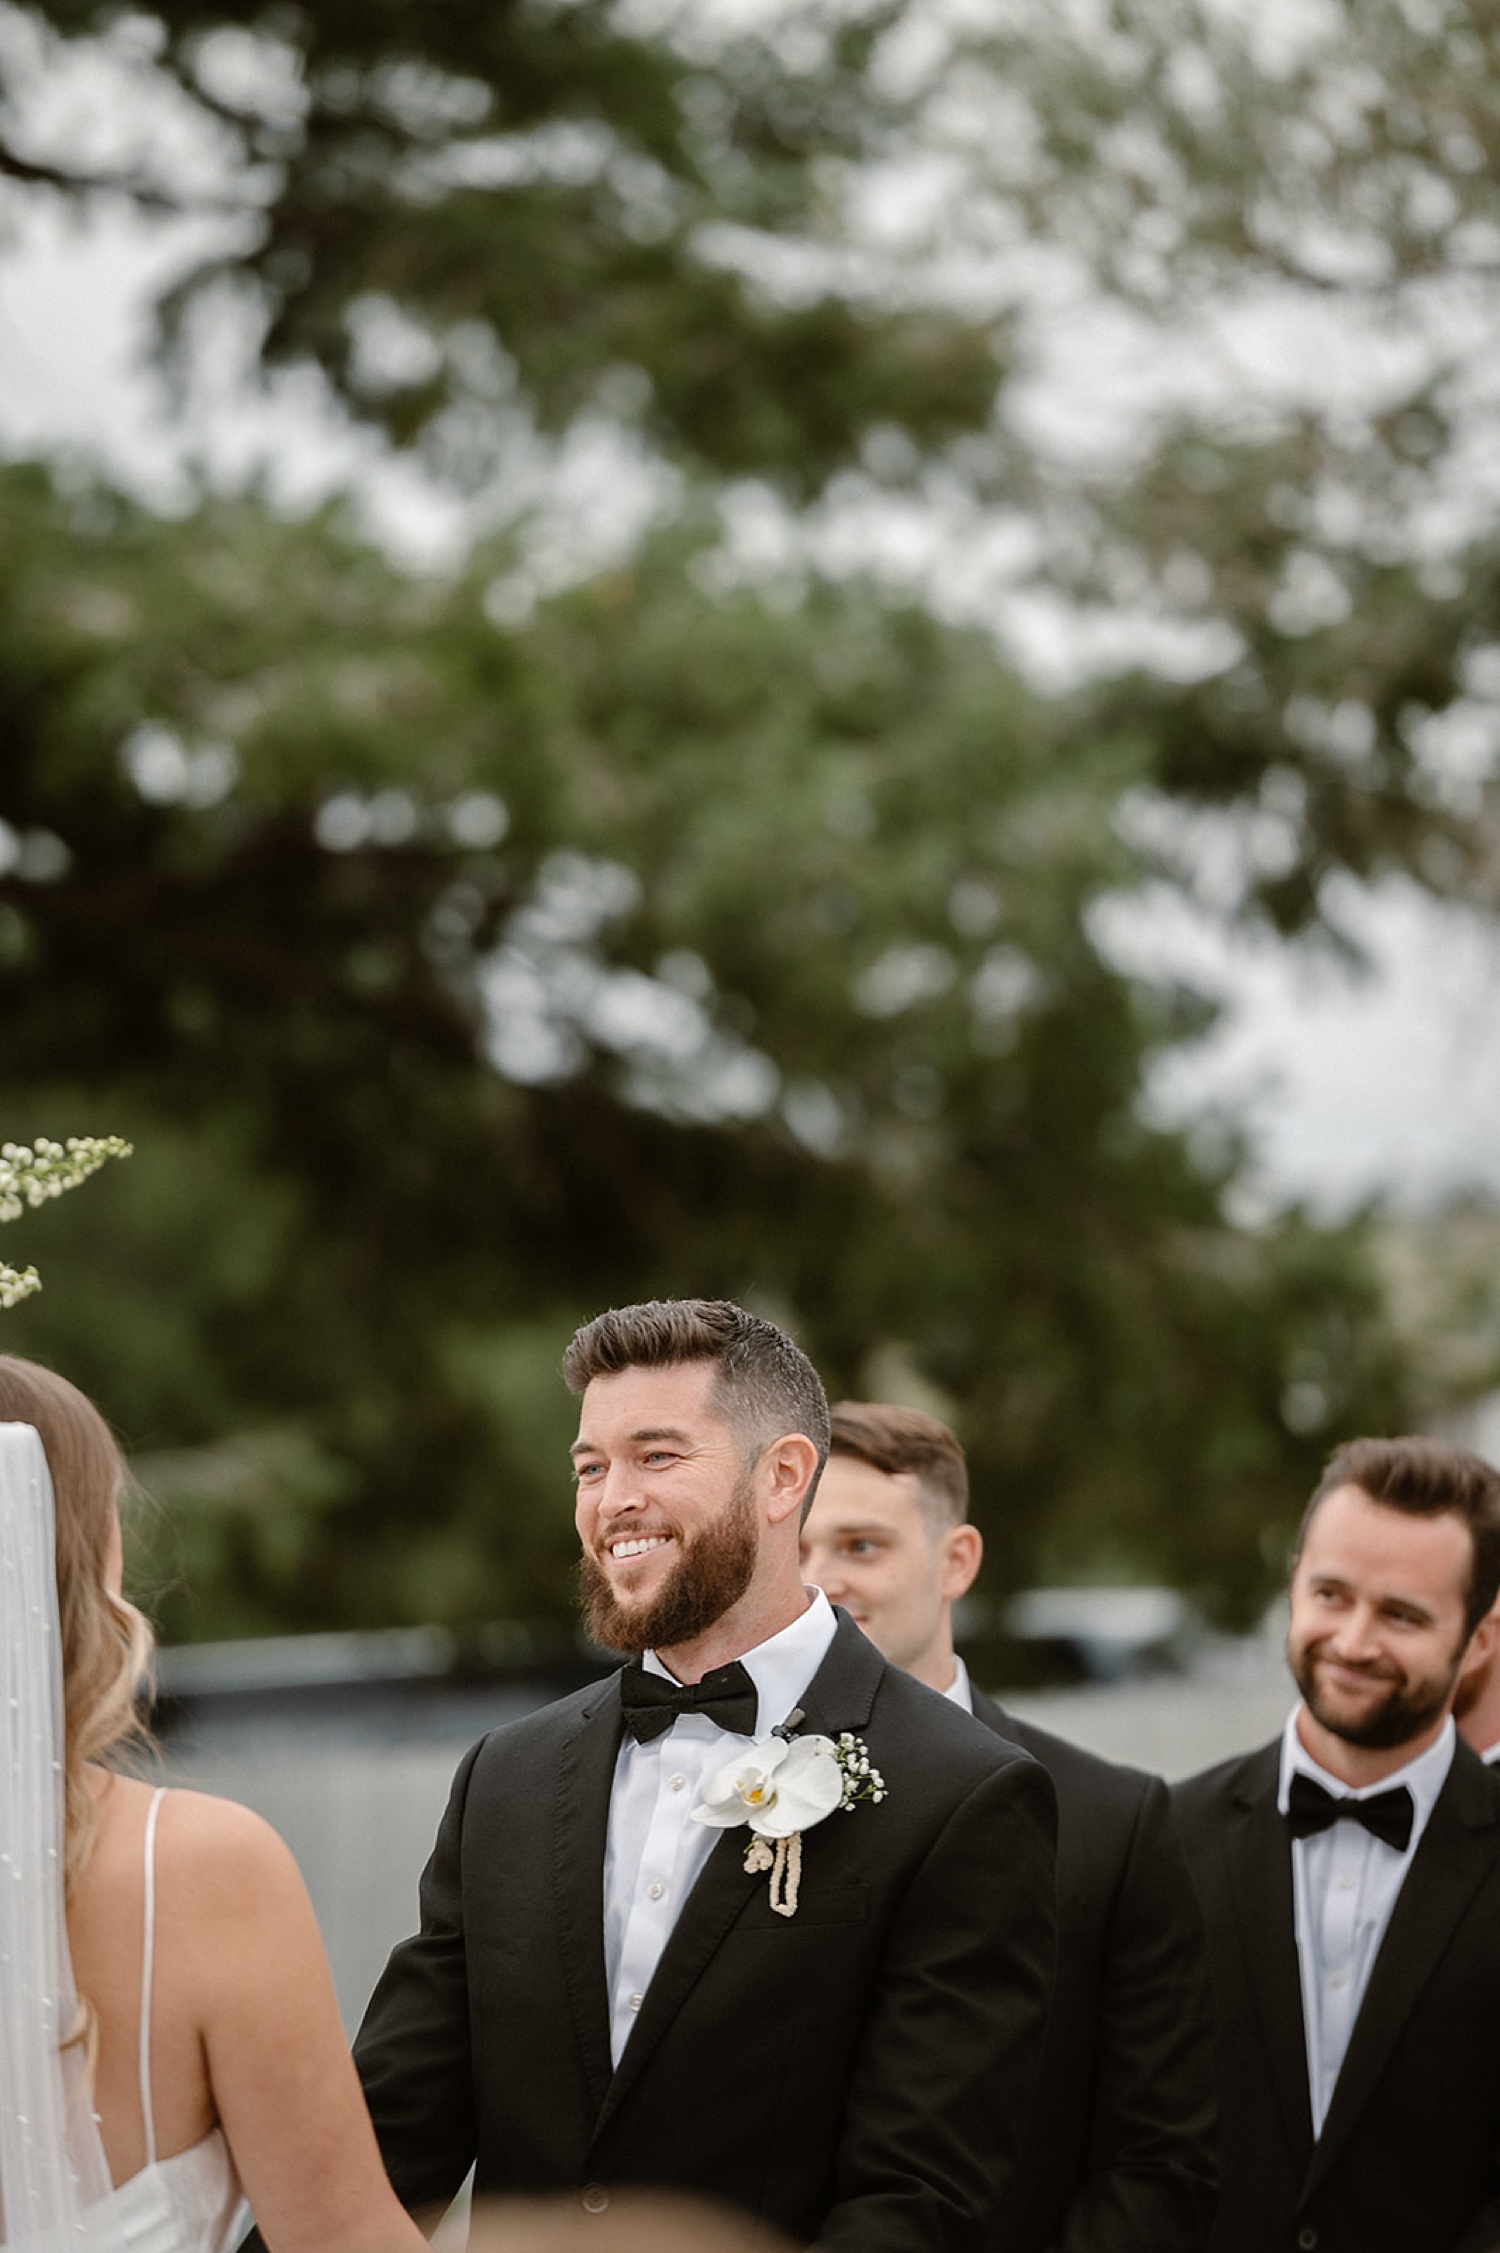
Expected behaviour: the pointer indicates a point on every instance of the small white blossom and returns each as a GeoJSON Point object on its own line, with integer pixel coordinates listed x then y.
{"type": "Point", "coordinates": [30, 1174]}
{"type": "Point", "coordinates": [861, 1779]}
{"type": "Point", "coordinates": [17, 1284]}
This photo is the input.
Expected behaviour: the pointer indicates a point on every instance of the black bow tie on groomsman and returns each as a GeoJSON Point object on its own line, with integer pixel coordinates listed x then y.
{"type": "Point", "coordinates": [1386, 1815]}
{"type": "Point", "coordinates": [652, 1702]}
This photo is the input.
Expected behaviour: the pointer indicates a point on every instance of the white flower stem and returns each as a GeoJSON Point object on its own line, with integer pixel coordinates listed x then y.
{"type": "Point", "coordinates": [786, 1875]}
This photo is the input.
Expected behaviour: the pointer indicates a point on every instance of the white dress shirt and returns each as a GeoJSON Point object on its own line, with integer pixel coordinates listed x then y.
{"type": "Point", "coordinates": [960, 1689]}
{"type": "Point", "coordinates": [1344, 1887]}
{"type": "Point", "coordinates": [654, 1852]}
{"type": "Point", "coordinates": [1491, 1753]}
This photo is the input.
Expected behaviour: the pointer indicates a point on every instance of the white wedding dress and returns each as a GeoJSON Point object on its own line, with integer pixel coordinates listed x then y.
{"type": "Point", "coordinates": [189, 2203]}
{"type": "Point", "coordinates": [55, 2189]}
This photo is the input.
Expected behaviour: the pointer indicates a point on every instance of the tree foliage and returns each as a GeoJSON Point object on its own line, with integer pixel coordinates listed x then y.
{"type": "Point", "coordinates": [824, 246]}
{"type": "Point", "coordinates": [1284, 227]}
{"type": "Point", "coordinates": [453, 981]}
{"type": "Point", "coordinates": [452, 212]}
{"type": "Point", "coordinates": [456, 975]}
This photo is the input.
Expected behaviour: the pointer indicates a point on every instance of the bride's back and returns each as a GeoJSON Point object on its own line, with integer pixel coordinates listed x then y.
{"type": "Point", "coordinates": [107, 1930]}
{"type": "Point", "coordinates": [241, 2028]}
{"type": "Point", "coordinates": [104, 1650]}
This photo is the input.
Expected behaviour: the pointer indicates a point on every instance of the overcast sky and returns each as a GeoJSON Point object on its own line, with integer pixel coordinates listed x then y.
{"type": "Point", "coordinates": [1389, 1082]}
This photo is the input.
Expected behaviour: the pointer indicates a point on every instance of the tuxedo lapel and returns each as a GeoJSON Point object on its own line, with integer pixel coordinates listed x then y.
{"type": "Point", "coordinates": [722, 1889]}
{"type": "Point", "coordinates": [839, 1696]}
{"type": "Point", "coordinates": [842, 1692]}
{"type": "Point", "coordinates": [1260, 1869]}
{"type": "Point", "coordinates": [580, 1834]}
{"type": "Point", "coordinates": [1456, 1853]}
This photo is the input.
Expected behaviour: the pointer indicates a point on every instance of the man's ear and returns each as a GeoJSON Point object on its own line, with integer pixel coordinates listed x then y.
{"type": "Point", "coordinates": [1482, 1644]}
{"type": "Point", "coordinates": [960, 1554]}
{"type": "Point", "coordinates": [787, 1469]}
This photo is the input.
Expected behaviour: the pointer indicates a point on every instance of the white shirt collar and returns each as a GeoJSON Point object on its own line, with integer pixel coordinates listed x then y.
{"type": "Point", "coordinates": [960, 1689]}
{"type": "Point", "coordinates": [783, 1665]}
{"type": "Point", "coordinates": [1491, 1753]}
{"type": "Point", "coordinates": [1423, 1777]}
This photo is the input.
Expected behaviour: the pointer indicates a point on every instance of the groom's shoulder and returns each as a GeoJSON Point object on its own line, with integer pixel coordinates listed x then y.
{"type": "Point", "coordinates": [543, 1731]}
{"type": "Point", "coordinates": [1202, 1799]}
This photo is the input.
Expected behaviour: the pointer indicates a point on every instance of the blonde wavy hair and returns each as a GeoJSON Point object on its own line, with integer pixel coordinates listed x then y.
{"type": "Point", "coordinates": [106, 1643]}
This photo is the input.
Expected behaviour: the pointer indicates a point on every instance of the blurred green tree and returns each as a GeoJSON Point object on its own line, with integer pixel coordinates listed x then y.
{"type": "Point", "coordinates": [454, 976]}
{"type": "Point", "coordinates": [1281, 230]}
{"type": "Point", "coordinates": [824, 246]}
{"type": "Point", "coordinates": [455, 980]}
{"type": "Point", "coordinates": [469, 218]}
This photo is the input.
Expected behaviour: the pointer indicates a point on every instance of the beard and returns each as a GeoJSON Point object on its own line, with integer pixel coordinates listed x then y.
{"type": "Point", "coordinates": [711, 1574]}
{"type": "Point", "coordinates": [1408, 1707]}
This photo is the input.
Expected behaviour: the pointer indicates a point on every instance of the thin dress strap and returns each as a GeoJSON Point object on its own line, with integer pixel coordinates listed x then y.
{"type": "Point", "coordinates": [148, 1956]}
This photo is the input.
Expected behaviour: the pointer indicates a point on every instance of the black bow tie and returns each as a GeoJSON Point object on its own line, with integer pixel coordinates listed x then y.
{"type": "Point", "coordinates": [1387, 1816]}
{"type": "Point", "coordinates": [652, 1703]}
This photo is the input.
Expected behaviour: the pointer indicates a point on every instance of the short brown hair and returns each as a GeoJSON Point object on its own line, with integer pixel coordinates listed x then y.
{"type": "Point", "coordinates": [1424, 1478]}
{"type": "Point", "coordinates": [763, 1385]}
{"type": "Point", "coordinates": [894, 1440]}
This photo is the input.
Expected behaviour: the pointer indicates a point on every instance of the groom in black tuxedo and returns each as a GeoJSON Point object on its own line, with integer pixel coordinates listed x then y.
{"type": "Point", "coordinates": [1121, 2157]}
{"type": "Point", "coordinates": [1350, 1873]}
{"type": "Point", "coordinates": [607, 1991]}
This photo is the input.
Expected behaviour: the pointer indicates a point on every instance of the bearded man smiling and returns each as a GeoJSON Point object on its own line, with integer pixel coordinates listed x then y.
{"type": "Point", "coordinates": [605, 1991]}
{"type": "Point", "coordinates": [1350, 1878]}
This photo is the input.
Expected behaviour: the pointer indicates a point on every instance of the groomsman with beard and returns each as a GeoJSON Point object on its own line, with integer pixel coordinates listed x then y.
{"type": "Point", "coordinates": [1121, 2157]}
{"type": "Point", "coordinates": [606, 1991]}
{"type": "Point", "coordinates": [1350, 1873]}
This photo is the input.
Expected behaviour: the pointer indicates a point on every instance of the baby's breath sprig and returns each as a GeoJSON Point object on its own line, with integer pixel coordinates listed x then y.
{"type": "Point", "coordinates": [17, 1283]}
{"type": "Point", "coordinates": [862, 1780]}
{"type": "Point", "coordinates": [30, 1174]}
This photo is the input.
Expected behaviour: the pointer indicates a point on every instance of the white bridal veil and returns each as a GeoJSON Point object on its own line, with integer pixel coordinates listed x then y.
{"type": "Point", "coordinates": [54, 2183]}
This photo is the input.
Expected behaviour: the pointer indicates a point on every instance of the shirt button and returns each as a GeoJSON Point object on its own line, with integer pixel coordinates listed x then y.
{"type": "Point", "coordinates": [636, 2001]}
{"type": "Point", "coordinates": [1345, 1884]}
{"type": "Point", "coordinates": [1307, 2240]}
{"type": "Point", "coordinates": [675, 1783]}
{"type": "Point", "coordinates": [1338, 1979]}
{"type": "Point", "coordinates": [655, 1890]}
{"type": "Point", "coordinates": [593, 2198]}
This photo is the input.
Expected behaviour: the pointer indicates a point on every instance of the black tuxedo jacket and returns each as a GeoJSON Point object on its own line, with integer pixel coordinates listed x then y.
{"type": "Point", "coordinates": [1122, 2154]}
{"type": "Point", "coordinates": [1409, 2157]}
{"type": "Point", "coordinates": [860, 2074]}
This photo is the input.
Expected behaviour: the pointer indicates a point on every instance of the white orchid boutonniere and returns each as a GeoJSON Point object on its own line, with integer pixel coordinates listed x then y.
{"type": "Point", "coordinates": [778, 1790]}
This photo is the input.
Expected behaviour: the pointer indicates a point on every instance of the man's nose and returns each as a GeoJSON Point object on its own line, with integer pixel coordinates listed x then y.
{"type": "Point", "coordinates": [1355, 1639]}
{"type": "Point", "coordinates": [620, 1491]}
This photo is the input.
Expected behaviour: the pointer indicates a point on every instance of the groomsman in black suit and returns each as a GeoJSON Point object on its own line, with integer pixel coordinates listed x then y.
{"type": "Point", "coordinates": [1121, 2157]}
{"type": "Point", "coordinates": [1350, 1873]}
{"type": "Point", "coordinates": [608, 1991]}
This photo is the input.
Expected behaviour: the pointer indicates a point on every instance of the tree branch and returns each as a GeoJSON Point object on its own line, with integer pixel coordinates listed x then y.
{"type": "Point", "coordinates": [142, 192]}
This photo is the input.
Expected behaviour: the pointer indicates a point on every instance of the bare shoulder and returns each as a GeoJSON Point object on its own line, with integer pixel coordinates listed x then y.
{"type": "Point", "coordinates": [223, 1856]}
